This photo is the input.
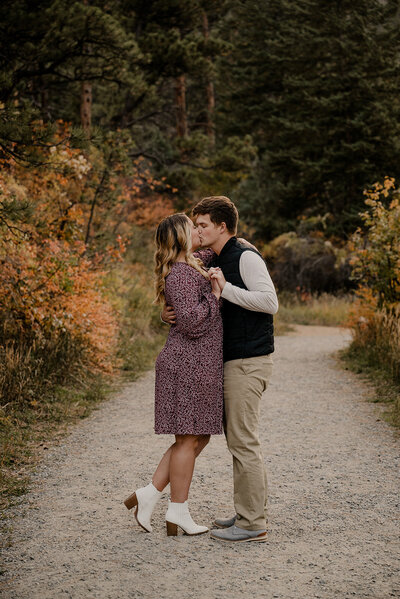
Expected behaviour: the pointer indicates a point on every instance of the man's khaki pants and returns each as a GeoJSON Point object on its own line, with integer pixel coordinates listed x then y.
{"type": "Point", "coordinates": [245, 380]}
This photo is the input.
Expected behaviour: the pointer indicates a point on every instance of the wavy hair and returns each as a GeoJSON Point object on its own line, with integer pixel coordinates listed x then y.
{"type": "Point", "coordinates": [173, 236]}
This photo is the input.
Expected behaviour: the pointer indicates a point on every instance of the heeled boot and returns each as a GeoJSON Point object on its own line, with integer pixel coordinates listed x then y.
{"type": "Point", "coordinates": [145, 500]}
{"type": "Point", "coordinates": [178, 515]}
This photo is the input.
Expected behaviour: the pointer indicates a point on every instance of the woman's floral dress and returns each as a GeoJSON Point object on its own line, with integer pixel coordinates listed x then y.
{"type": "Point", "coordinates": [189, 369]}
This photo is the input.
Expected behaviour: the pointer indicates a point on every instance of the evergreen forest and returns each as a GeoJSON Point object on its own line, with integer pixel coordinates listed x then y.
{"type": "Point", "coordinates": [290, 108]}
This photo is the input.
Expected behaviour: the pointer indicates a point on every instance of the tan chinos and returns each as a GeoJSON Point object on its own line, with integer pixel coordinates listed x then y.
{"type": "Point", "coordinates": [245, 380]}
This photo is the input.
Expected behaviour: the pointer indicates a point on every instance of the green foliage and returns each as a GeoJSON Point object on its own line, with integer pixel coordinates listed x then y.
{"type": "Point", "coordinates": [317, 85]}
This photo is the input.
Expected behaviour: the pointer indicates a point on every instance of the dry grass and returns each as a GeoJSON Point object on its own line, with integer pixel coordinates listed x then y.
{"type": "Point", "coordinates": [375, 352]}
{"type": "Point", "coordinates": [323, 310]}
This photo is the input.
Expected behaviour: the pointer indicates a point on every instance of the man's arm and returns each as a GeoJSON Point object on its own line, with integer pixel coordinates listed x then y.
{"type": "Point", "coordinates": [260, 295]}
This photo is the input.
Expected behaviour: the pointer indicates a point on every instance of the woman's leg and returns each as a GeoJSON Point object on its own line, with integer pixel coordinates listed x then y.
{"type": "Point", "coordinates": [181, 465]}
{"type": "Point", "coordinates": [161, 477]}
{"type": "Point", "coordinates": [177, 463]}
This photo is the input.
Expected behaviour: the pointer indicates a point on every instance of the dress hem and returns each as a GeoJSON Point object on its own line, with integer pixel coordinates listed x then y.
{"type": "Point", "coordinates": [187, 433]}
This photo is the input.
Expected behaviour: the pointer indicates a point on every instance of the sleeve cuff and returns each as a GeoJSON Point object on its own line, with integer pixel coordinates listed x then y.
{"type": "Point", "coordinates": [227, 291]}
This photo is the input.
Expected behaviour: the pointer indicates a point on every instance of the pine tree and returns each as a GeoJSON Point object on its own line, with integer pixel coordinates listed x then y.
{"type": "Point", "coordinates": [47, 50]}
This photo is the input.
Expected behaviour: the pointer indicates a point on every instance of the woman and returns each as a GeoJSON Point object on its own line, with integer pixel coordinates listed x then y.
{"type": "Point", "coordinates": [189, 373]}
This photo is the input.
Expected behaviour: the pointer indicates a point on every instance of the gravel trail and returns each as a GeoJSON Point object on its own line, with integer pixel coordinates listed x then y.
{"type": "Point", "coordinates": [334, 499]}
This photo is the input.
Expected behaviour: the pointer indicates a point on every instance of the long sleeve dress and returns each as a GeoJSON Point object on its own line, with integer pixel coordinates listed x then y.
{"type": "Point", "coordinates": [189, 369]}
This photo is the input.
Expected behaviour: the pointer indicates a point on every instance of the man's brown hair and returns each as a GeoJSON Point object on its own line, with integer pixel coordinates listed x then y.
{"type": "Point", "coordinates": [221, 210]}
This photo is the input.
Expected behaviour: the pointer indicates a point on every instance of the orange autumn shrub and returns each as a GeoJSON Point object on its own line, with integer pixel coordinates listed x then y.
{"type": "Point", "coordinates": [375, 318]}
{"type": "Point", "coordinates": [49, 290]}
{"type": "Point", "coordinates": [63, 227]}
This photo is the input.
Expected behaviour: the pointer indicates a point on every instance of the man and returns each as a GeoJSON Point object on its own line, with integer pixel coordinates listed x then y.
{"type": "Point", "coordinates": [249, 303]}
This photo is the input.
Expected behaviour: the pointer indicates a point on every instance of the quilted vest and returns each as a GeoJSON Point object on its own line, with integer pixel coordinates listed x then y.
{"type": "Point", "coordinates": [246, 333]}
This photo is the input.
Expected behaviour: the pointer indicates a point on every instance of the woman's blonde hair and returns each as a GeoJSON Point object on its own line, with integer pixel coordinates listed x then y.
{"type": "Point", "coordinates": [173, 236]}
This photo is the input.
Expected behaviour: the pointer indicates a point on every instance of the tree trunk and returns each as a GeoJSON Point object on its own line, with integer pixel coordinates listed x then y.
{"type": "Point", "coordinates": [209, 91]}
{"type": "Point", "coordinates": [180, 106]}
{"type": "Point", "coordinates": [86, 106]}
{"type": "Point", "coordinates": [99, 189]}
{"type": "Point", "coordinates": [86, 100]}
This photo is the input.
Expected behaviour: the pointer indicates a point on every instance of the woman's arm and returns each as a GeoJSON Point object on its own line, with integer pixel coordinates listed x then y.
{"type": "Point", "coordinates": [195, 309]}
{"type": "Point", "coordinates": [206, 255]}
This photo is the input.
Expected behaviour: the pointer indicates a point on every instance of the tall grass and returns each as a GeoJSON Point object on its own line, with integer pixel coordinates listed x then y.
{"type": "Point", "coordinates": [30, 367]}
{"type": "Point", "coordinates": [142, 332]}
{"type": "Point", "coordinates": [375, 351]}
{"type": "Point", "coordinates": [305, 308]}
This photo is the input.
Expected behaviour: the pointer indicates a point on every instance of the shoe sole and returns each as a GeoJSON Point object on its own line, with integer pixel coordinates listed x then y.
{"type": "Point", "coordinates": [257, 539]}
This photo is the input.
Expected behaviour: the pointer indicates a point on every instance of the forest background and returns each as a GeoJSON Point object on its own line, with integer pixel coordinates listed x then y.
{"type": "Point", "coordinates": [114, 114]}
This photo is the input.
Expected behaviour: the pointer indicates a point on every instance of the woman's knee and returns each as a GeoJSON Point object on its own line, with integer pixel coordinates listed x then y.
{"type": "Point", "coordinates": [187, 441]}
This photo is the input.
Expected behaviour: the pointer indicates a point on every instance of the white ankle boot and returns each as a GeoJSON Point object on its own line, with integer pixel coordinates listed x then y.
{"type": "Point", "coordinates": [178, 515]}
{"type": "Point", "coordinates": [145, 499]}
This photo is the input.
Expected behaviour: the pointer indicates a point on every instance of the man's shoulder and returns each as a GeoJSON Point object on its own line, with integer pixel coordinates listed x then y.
{"type": "Point", "coordinates": [251, 254]}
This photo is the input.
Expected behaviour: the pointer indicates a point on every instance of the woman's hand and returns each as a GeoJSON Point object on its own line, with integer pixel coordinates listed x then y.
{"type": "Point", "coordinates": [215, 289]}
{"type": "Point", "coordinates": [168, 315]}
{"type": "Point", "coordinates": [217, 275]}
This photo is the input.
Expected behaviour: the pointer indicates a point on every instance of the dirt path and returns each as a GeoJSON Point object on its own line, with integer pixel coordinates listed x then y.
{"type": "Point", "coordinates": [334, 494]}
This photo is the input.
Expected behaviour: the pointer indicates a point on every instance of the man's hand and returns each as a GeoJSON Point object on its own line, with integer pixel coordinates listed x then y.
{"type": "Point", "coordinates": [215, 288]}
{"type": "Point", "coordinates": [168, 315]}
{"type": "Point", "coordinates": [216, 274]}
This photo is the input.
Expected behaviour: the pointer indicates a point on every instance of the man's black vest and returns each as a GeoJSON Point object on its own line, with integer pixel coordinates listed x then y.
{"type": "Point", "coordinates": [246, 333]}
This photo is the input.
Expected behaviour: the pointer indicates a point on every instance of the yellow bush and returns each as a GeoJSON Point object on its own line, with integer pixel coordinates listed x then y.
{"type": "Point", "coordinates": [375, 317]}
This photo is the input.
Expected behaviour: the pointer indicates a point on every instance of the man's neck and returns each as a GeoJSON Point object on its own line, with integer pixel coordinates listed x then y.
{"type": "Point", "coordinates": [218, 246]}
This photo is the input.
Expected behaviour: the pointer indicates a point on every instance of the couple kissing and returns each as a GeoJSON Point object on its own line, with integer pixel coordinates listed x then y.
{"type": "Point", "coordinates": [219, 301]}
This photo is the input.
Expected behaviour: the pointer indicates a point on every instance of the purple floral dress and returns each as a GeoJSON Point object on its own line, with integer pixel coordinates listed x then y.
{"type": "Point", "coordinates": [189, 369]}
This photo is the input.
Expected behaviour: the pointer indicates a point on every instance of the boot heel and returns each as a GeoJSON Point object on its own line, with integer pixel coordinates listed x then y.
{"type": "Point", "coordinates": [172, 529]}
{"type": "Point", "coordinates": [131, 501]}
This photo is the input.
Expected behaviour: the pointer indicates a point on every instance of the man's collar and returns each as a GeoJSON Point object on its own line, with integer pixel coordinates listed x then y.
{"type": "Point", "coordinates": [231, 241]}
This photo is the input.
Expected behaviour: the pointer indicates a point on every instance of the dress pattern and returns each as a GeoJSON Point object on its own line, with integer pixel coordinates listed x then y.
{"type": "Point", "coordinates": [189, 369]}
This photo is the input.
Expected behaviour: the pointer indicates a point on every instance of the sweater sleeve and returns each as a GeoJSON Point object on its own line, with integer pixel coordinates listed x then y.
{"type": "Point", "coordinates": [195, 308]}
{"type": "Point", "coordinates": [260, 295]}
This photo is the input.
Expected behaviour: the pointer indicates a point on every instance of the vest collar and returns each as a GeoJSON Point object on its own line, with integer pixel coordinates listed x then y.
{"type": "Point", "coordinates": [230, 243]}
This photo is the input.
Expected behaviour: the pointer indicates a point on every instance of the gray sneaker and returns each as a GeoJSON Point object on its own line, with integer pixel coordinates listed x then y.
{"type": "Point", "coordinates": [219, 523]}
{"type": "Point", "coordinates": [238, 535]}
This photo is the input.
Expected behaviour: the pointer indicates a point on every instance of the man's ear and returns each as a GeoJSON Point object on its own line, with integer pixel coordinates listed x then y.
{"type": "Point", "coordinates": [223, 228]}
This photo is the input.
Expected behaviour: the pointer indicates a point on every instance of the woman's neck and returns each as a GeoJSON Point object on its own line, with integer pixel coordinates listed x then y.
{"type": "Point", "coordinates": [181, 257]}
